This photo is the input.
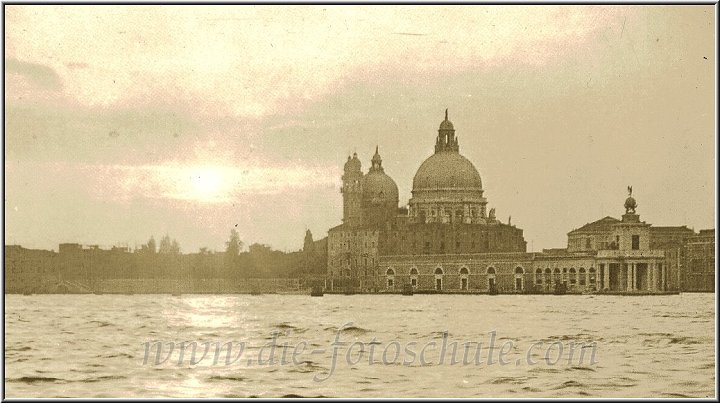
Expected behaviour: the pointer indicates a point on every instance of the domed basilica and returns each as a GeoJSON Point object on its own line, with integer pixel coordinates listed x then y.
{"type": "Point", "coordinates": [446, 216]}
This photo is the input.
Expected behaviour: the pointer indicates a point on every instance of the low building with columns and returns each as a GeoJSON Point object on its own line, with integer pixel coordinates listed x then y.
{"type": "Point", "coordinates": [623, 259]}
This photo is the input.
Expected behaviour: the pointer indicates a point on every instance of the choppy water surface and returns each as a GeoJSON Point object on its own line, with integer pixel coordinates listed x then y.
{"type": "Point", "coordinates": [92, 345]}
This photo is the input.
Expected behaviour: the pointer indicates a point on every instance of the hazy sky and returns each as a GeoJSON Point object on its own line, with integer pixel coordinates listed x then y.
{"type": "Point", "coordinates": [129, 121]}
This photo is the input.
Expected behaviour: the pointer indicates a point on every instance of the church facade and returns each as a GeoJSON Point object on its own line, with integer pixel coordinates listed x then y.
{"type": "Point", "coordinates": [446, 240]}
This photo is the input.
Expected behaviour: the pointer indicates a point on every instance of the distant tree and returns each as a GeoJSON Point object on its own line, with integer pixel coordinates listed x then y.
{"type": "Point", "coordinates": [259, 248]}
{"type": "Point", "coordinates": [232, 254]}
{"type": "Point", "coordinates": [204, 250]}
{"type": "Point", "coordinates": [151, 246]}
{"type": "Point", "coordinates": [169, 246]}
{"type": "Point", "coordinates": [165, 244]}
{"type": "Point", "coordinates": [174, 247]}
{"type": "Point", "coordinates": [234, 245]}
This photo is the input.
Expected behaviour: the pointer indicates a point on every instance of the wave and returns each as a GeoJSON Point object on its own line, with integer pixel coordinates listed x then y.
{"type": "Point", "coordinates": [584, 337]}
{"type": "Point", "coordinates": [544, 370]}
{"type": "Point", "coordinates": [103, 378]}
{"type": "Point", "coordinates": [570, 384]}
{"type": "Point", "coordinates": [101, 323]}
{"type": "Point", "coordinates": [684, 340]}
{"type": "Point", "coordinates": [509, 380]}
{"type": "Point", "coordinates": [117, 355]}
{"type": "Point", "coordinates": [288, 326]}
{"type": "Point", "coordinates": [296, 396]}
{"type": "Point", "coordinates": [580, 369]}
{"type": "Point", "coordinates": [35, 379]}
{"type": "Point", "coordinates": [659, 334]}
{"type": "Point", "coordinates": [24, 348]}
{"type": "Point", "coordinates": [439, 335]}
{"type": "Point", "coordinates": [349, 330]}
{"type": "Point", "coordinates": [227, 378]}
{"type": "Point", "coordinates": [679, 395]}
{"type": "Point", "coordinates": [624, 382]}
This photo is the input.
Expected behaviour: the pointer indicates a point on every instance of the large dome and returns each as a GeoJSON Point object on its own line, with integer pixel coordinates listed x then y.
{"type": "Point", "coordinates": [378, 187]}
{"type": "Point", "coordinates": [447, 170]}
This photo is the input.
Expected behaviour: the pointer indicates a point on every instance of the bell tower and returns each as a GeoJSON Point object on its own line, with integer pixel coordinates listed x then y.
{"type": "Point", "coordinates": [352, 191]}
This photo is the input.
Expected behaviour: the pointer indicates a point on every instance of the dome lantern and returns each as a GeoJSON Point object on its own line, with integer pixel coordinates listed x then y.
{"type": "Point", "coordinates": [446, 140]}
{"type": "Point", "coordinates": [376, 162]}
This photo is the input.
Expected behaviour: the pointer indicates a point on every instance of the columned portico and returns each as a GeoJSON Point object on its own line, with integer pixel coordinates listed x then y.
{"type": "Point", "coordinates": [652, 277]}
{"type": "Point", "coordinates": [606, 276]}
{"type": "Point", "coordinates": [663, 277]}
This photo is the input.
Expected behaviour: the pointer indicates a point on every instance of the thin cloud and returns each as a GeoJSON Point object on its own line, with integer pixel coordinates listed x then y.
{"type": "Point", "coordinates": [40, 75]}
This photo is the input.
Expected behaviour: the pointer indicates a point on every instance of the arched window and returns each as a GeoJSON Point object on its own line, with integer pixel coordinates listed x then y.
{"type": "Point", "coordinates": [491, 270]}
{"type": "Point", "coordinates": [573, 278]}
{"type": "Point", "coordinates": [464, 278]}
{"type": "Point", "coordinates": [538, 276]}
{"type": "Point", "coordinates": [413, 277]}
{"type": "Point", "coordinates": [390, 278]}
{"type": "Point", "coordinates": [519, 270]}
{"type": "Point", "coordinates": [438, 271]}
{"type": "Point", "coordinates": [592, 276]}
{"type": "Point", "coordinates": [556, 275]}
{"type": "Point", "coordinates": [581, 275]}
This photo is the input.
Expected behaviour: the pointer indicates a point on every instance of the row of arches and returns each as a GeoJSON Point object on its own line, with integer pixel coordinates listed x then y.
{"type": "Point", "coordinates": [464, 273]}
{"type": "Point", "coordinates": [580, 277]}
{"type": "Point", "coordinates": [463, 270]}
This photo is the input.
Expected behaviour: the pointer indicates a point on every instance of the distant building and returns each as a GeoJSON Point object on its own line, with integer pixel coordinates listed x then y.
{"type": "Point", "coordinates": [699, 270]}
{"type": "Point", "coordinates": [28, 270]}
{"type": "Point", "coordinates": [672, 240]}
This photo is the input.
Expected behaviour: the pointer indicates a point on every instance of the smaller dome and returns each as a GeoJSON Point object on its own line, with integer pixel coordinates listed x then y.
{"type": "Point", "coordinates": [378, 187]}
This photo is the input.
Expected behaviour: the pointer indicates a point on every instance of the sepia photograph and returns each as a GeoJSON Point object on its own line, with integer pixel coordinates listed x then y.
{"type": "Point", "coordinates": [465, 201]}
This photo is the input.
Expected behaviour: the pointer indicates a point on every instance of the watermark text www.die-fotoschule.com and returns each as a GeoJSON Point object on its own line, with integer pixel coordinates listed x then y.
{"type": "Point", "coordinates": [489, 351]}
